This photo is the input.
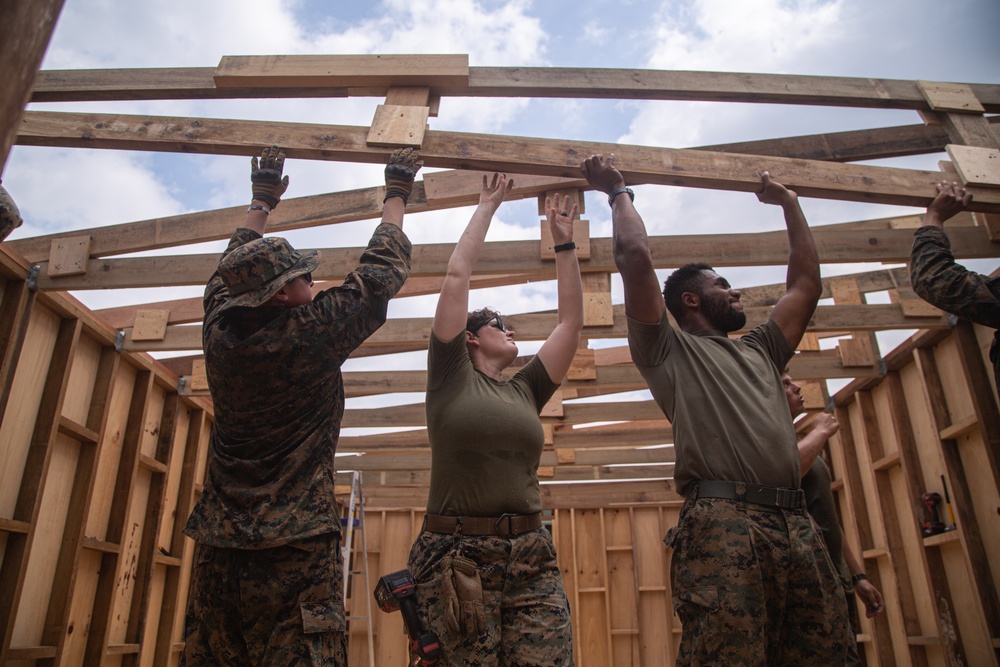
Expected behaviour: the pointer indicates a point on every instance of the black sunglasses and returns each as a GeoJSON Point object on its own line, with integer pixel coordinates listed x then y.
{"type": "Point", "coordinates": [499, 324]}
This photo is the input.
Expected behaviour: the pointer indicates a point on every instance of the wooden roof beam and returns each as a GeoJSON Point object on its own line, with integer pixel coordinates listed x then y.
{"type": "Point", "coordinates": [365, 203]}
{"type": "Point", "coordinates": [541, 82]}
{"type": "Point", "coordinates": [454, 150]}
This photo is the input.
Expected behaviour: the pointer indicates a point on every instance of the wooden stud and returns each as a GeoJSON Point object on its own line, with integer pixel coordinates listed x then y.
{"type": "Point", "coordinates": [990, 222]}
{"type": "Point", "coordinates": [950, 97]}
{"type": "Point", "coordinates": [911, 304]}
{"type": "Point", "coordinates": [408, 96]}
{"type": "Point", "coordinates": [855, 352]}
{"type": "Point", "coordinates": [976, 166]}
{"type": "Point", "coordinates": [68, 256]}
{"type": "Point", "coordinates": [150, 324]}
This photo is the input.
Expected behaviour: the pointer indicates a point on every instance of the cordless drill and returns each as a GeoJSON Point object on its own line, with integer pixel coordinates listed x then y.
{"type": "Point", "coordinates": [933, 525]}
{"type": "Point", "coordinates": [396, 591]}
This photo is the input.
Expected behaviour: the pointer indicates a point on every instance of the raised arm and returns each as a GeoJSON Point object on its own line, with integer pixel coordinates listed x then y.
{"type": "Point", "coordinates": [453, 303]}
{"type": "Point", "coordinates": [557, 352]}
{"type": "Point", "coordinates": [803, 284]}
{"type": "Point", "coordinates": [935, 276]}
{"type": "Point", "coordinates": [267, 186]}
{"type": "Point", "coordinates": [643, 299]}
{"type": "Point", "coordinates": [810, 446]}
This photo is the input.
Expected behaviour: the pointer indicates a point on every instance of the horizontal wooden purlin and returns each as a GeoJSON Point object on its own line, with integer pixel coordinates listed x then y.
{"type": "Point", "coordinates": [455, 150]}
{"type": "Point", "coordinates": [867, 317]}
{"type": "Point", "coordinates": [366, 203]}
{"type": "Point", "coordinates": [756, 249]}
{"type": "Point", "coordinates": [544, 82]}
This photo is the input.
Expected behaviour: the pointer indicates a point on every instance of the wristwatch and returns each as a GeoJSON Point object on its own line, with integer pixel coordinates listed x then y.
{"type": "Point", "coordinates": [611, 197]}
{"type": "Point", "coordinates": [858, 577]}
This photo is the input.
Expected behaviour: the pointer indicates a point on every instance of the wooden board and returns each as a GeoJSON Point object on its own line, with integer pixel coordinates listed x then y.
{"type": "Point", "coordinates": [342, 71]}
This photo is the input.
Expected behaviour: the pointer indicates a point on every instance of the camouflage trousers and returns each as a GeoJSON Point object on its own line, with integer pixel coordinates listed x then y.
{"type": "Point", "coordinates": [268, 607]}
{"type": "Point", "coordinates": [754, 585]}
{"type": "Point", "coordinates": [526, 611]}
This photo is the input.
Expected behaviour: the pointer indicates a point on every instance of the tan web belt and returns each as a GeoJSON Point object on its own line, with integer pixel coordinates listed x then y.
{"type": "Point", "coordinates": [505, 525]}
{"type": "Point", "coordinates": [773, 496]}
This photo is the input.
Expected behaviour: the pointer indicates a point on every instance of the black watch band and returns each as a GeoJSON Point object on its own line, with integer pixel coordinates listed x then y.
{"type": "Point", "coordinates": [611, 197]}
{"type": "Point", "coordinates": [569, 245]}
{"type": "Point", "coordinates": [858, 577]}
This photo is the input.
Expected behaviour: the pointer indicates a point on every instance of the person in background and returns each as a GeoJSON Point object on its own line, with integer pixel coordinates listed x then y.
{"type": "Point", "coordinates": [816, 484]}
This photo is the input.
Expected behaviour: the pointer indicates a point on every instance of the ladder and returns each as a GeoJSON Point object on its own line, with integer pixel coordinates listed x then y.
{"type": "Point", "coordinates": [354, 521]}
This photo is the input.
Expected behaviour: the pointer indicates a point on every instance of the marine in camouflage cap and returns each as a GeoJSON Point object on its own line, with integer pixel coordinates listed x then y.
{"type": "Point", "coordinates": [256, 271]}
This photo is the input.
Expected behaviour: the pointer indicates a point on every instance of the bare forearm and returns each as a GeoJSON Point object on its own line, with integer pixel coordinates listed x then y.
{"type": "Point", "coordinates": [392, 211]}
{"type": "Point", "coordinates": [470, 244]}
{"type": "Point", "coordinates": [809, 448]}
{"type": "Point", "coordinates": [853, 565]}
{"type": "Point", "coordinates": [803, 258]}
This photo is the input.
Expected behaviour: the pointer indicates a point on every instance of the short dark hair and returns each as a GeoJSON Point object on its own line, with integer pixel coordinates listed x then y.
{"type": "Point", "coordinates": [685, 279]}
{"type": "Point", "coordinates": [479, 318]}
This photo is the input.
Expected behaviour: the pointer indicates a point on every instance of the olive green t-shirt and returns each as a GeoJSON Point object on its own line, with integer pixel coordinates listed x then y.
{"type": "Point", "coordinates": [725, 400]}
{"type": "Point", "coordinates": [486, 437]}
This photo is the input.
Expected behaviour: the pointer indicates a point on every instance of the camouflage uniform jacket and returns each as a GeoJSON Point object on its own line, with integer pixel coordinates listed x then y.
{"type": "Point", "coordinates": [278, 393]}
{"type": "Point", "coordinates": [937, 279]}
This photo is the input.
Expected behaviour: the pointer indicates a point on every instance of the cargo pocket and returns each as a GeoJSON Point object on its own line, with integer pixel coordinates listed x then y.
{"type": "Point", "coordinates": [692, 601]}
{"type": "Point", "coordinates": [318, 617]}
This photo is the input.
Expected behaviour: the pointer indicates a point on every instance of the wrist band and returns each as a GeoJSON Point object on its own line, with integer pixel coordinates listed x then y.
{"type": "Point", "coordinates": [858, 577]}
{"type": "Point", "coordinates": [564, 246]}
{"type": "Point", "coordinates": [611, 197]}
{"type": "Point", "coordinates": [258, 207]}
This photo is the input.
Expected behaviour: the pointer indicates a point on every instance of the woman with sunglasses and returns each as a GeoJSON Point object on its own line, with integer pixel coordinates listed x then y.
{"type": "Point", "coordinates": [488, 584]}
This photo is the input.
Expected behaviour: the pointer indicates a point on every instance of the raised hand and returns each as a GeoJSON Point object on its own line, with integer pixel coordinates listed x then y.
{"type": "Point", "coordinates": [402, 168]}
{"type": "Point", "coordinates": [951, 199]}
{"type": "Point", "coordinates": [560, 219]}
{"type": "Point", "coordinates": [265, 176]}
{"type": "Point", "coordinates": [774, 192]}
{"type": "Point", "coordinates": [600, 172]}
{"type": "Point", "coordinates": [496, 191]}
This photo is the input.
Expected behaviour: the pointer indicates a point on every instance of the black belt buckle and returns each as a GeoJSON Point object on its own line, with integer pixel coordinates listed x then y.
{"type": "Point", "coordinates": [510, 534]}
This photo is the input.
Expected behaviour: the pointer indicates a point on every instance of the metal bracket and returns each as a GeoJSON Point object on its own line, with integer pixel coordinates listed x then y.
{"type": "Point", "coordinates": [883, 368]}
{"type": "Point", "coordinates": [182, 386]}
{"type": "Point", "coordinates": [31, 278]}
{"type": "Point", "coordinates": [120, 340]}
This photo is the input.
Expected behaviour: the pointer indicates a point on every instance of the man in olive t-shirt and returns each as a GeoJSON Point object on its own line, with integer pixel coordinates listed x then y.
{"type": "Point", "coordinates": [752, 582]}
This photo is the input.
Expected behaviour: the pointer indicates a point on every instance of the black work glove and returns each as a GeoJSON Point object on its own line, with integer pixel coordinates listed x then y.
{"type": "Point", "coordinates": [266, 180]}
{"type": "Point", "coordinates": [404, 163]}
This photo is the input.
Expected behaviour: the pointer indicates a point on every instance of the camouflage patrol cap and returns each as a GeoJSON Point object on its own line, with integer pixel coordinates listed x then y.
{"type": "Point", "coordinates": [255, 271]}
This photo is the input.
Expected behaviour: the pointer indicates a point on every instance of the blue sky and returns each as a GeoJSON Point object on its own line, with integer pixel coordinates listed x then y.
{"type": "Point", "coordinates": [61, 189]}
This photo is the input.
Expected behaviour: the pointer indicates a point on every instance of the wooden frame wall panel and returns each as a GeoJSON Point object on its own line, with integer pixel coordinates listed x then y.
{"type": "Point", "coordinates": [147, 596]}
{"type": "Point", "coordinates": [59, 626]}
{"type": "Point", "coordinates": [858, 521]}
{"type": "Point", "coordinates": [177, 508]}
{"type": "Point", "coordinates": [119, 536]}
{"type": "Point", "coordinates": [623, 592]}
{"type": "Point", "coordinates": [395, 544]}
{"type": "Point", "coordinates": [15, 619]}
{"type": "Point", "coordinates": [592, 588]}
{"type": "Point", "coordinates": [656, 622]}
{"type": "Point", "coordinates": [563, 539]}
